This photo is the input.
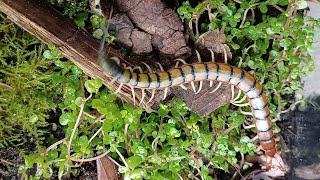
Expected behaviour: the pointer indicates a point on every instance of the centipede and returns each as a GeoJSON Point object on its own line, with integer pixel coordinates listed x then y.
{"type": "Point", "coordinates": [201, 71]}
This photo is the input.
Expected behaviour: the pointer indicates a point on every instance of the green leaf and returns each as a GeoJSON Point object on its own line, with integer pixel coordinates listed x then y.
{"type": "Point", "coordinates": [245, 139]}
{"type": "Point", "coordinates": [138, 173]}
{"type": "Point", "coordinates": [97, 34]}
{"type": "Point", "coordinates": [95, 21]}
{"type": "Point", "coordinates": [57, 78]}
{"type": "Point", "coordinates": [93, 86]}
{"type": "Point", "coordinates": [78, 101]}
{"type": "Point", "coordinates": [301, 4]}
{"type": "Point", "coordinates": [53, 154]}
{"type": "Point", "coordinates": [263, 7]}
{"type": "Point", "coordinates": [76, 70]}
{"type": "Point", "coordinates": [66, 117]}
{"type": "Point", "coordinates": [222, 139]}
{"type": "Point", "coordinates": [80, 18]}
{"type": "Point", "coordinates": [162, 111]}
{"type": "Point", "coordinates": [83, 141]}
{"type": "Point", "coordinates": [134, 161]}
{"type": "Point", "coordinates": [107, 126]}
{"type": "Point", "coordinates": [110, 98]}
{"type": "Point", "coordinates": [98, 104]}
{"type": "Point", "coordinates": [61, 171]}
{"type": "Point", "coordinates": [29, 160]}
{"type": "Point", "coordinates": [47, 54]}
{"type": "Point", "coordinates": [285, 42]}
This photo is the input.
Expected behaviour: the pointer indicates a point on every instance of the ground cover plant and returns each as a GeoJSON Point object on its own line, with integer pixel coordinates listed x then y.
{"type": "Point", "coordinates": [27, 92]}
{"type": "Point", "coordinates": [267, 37]}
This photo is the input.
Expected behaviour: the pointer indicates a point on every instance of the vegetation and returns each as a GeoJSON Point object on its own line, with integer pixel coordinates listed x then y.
{"type": "Point", "coordinates": [27, 92]}
{"type": "Point", "coordinates": [267, 37]}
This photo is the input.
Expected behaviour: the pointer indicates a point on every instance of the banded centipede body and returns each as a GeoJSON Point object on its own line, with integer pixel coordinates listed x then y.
{"type": "Point", "coordinates": [198, 72]}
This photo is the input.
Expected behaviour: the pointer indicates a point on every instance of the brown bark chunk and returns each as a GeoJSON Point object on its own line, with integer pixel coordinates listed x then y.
{"type": "Point", "coordinates": [161, 22]}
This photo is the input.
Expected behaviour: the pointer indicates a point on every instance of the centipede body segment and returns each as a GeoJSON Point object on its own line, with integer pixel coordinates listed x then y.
{"type": "Point", "coordinates": [201, 71]}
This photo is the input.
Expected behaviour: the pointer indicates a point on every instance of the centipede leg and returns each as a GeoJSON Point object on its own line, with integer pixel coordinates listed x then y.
{"type": "Point", "coordinates": [245, 113]}
{"type": "Point", "coordinates": [200, 87]}
{"type": "Point", "coordinates": [152, 96]}
{"type": "Point", "coordinates": [165, 93]}
{"type": "Point", "coordinates": [148, 67]}
{"type": "Point", "coordinates": [248, 127]}
{"type": "Point", "coordinates": [216, 87]}
{"type": "Point", "coordinates": [241, 105]}
{"type": "Point", "coordinates": [212, 55]}
{"type": "Point", "coordinates": [198, 56]}
{"type": "Point", "coordinates": [193, 87]}
{"type": "Point", "coordinates": [133, 96]}
{"type": "Point", "coordinates": [139, 68]}
{"type": "Point", "coordinates": [237, 97]}
{"type": "Point", "coordinates": [160, 66]}
{"type": "Point", "coordinates": [117, 60]}
{"type": "Point", "coordinates": [240, 101]}
{"type": "Point", "coordinates": [124, 65]}
{"type": "Point", "coordinates": [232, 92]}
{"type": "Point", "coordinates": [119, 88]}
{"type": "Point", "coordinates": [183, 87]}
{"type": "Point", "coordinates": [212, 59]}
{"type": "Point", "coordinates": [283, 166]}
{"type": "Point", "coordinates": [269, 162]}
{"type": "Point", "coordinates": [179, 60]}
{"type": "Point", "coordinates": [143, 94]}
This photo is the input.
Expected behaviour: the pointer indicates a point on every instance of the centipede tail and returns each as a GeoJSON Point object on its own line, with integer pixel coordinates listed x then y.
{"type": "Point", "coordinates": [201, 71]}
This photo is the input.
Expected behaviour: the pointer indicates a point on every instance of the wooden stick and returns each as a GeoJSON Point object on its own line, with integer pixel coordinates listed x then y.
{"type": "Point", "coordinates": [47, 24]}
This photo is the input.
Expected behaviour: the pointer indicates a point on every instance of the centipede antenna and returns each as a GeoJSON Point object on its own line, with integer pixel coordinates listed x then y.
{"type": "Point", "coordinates": [165, 93]}
{"type": "Point", "coordinates": [133, 96]}
{"type": "Point", "coordinates": [200, 87]}
{"type": "Point", "coordinates": [152, 96]}
{"type": "Point", "coordinates": [241, 100]}
{"type": "Point", "coordinates": [216, 87]}
{"type": "Point", "coordinates": [143, 94]}
{"type": "Point", "coordinates": [241, 105]}
{"type": "Point", "coordinates": [183, 87]}
{"type": "Point", "coordinates": [148, 67]}
{"type": "Point", "coordinates": [212, 55]}
{"type": "Point", "coordinates": [160, 66]}
{"type": "Point", "coordinates": [193, 86]}
{"type": "Point", "coordinates": [198, 56]}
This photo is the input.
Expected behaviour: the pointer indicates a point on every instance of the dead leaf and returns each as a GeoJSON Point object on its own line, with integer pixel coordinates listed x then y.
{"type": "Point", "coordinates": [107, 170]}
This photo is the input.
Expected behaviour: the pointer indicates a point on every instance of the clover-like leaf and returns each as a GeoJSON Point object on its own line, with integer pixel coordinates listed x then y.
{"type": "Point", "coordinates": [93, 86]}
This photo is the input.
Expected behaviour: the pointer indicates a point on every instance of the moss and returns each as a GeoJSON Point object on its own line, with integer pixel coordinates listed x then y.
{"type": "Point", "coordinates": [27, 92]}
